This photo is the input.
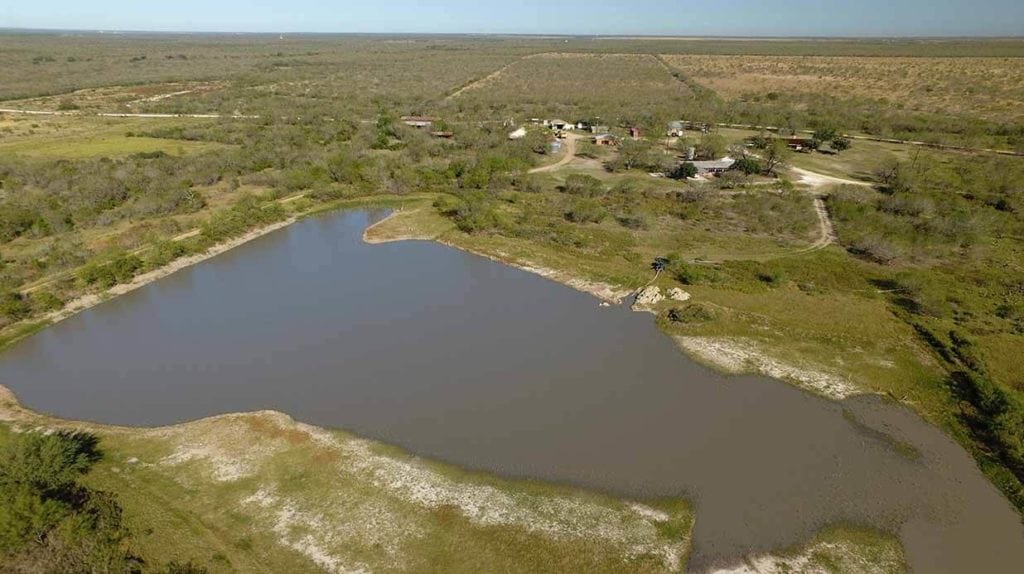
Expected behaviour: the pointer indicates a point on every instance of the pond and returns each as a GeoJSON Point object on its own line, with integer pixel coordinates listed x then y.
{"type": "Point", "coordinates": [461, 359]}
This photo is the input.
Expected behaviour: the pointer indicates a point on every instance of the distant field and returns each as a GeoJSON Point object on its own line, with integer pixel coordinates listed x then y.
{"type": "Point", "coordinates": [989, 88]}
{"type": "Point", "coordinates": [72, 137]}
{"type": "Point", "coordinates": [582, 84]}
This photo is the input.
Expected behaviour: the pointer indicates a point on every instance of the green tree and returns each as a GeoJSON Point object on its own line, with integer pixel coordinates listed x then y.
{"type": "Point", "coordinates": [775, 155]}
{"type": "Point", "coordinates": [684, 170]}
{"type": "Point", "coordinates": [823, 135]}
{"type": "Point", "coordinates": [841, 143]}
{"type": "Point", "coordinates": [748, 165]}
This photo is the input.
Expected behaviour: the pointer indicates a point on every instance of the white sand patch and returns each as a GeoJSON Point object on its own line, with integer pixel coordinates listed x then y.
{"type": "Point", "coordinates": [556, 517]}
{"type": "Point", "coordinates": [317, 535]}
{"type": "Point", "coordinates": [842, 557]}
{"type": "Point", "coordinates": [737, 355]}
{"type": "Point", "coordinates": [222, 467]}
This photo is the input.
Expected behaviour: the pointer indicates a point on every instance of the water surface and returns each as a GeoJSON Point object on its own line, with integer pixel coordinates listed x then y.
{"type": "Point", "coordinates": [459, 358]}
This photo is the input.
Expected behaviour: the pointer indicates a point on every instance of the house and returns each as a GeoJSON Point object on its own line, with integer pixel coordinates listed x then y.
{"type": "Point", "coordinates": [561, 125]}
{"type": "Point", "coordinates": [714, 167]}
{"type": "Point", "coordinates": [800, 144]}
{"type": "Point", "coordinates": [605, 139]}
{"type": "Point", "coordinates": [679, 127]}
{"type": "Point", "coordinates": [418, 121]}
{"type": "Point", "coordinates": [518, 134]}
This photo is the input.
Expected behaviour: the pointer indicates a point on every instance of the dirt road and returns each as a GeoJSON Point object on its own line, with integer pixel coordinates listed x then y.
{"type": "Point", "coordinates": [818, 180]}
{"type": "Point", "coordinates": [570, 154]}
{"type": "Point", "coordinates": [120, 115]}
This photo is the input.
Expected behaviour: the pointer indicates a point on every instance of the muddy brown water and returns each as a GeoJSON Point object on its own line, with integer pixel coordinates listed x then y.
{"type": "Point", "coordinates": [461, 359]}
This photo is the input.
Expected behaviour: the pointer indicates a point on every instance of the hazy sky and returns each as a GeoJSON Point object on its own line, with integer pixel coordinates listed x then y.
{"type": "Point", "coordinates": [649, 17]}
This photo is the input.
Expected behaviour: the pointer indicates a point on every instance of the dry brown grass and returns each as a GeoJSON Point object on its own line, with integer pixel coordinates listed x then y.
{"type": "Point", "coordinates": [989, 88]}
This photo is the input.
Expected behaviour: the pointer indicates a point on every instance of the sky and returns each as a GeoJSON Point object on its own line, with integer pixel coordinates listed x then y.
{"type": "Point", "coordinates": [571, 17]}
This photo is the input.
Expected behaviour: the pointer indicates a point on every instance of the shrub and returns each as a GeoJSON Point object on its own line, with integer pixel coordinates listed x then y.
{"type": "Point", "coordinates": [691, 274]}
{"type": "Point", "coordinates": [14, 306]}
{"type": "Point", "coordinates": [44, 301]}
{"type": "Point", "coordinates": [633, 220]}
{"type": "Point", "coordinates": [877, 249]}
{"type": "Point", "coordinates": [584, 185]}
{"type": "Point", "coordinates": [693, 313]}
{"type": "Point", "coordinates": [586, 211]}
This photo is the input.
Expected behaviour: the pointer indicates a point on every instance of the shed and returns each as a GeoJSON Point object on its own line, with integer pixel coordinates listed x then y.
{"type": "Point", "coordinates": [605, 139]}
{"type": "Point", "coordinates": [800, 144]}
{"type": "Point", "coordinates": [418, 121]}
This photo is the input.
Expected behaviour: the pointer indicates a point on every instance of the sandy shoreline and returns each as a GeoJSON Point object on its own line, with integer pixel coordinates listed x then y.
{"type": "Point", "coordinates": [92, 299]}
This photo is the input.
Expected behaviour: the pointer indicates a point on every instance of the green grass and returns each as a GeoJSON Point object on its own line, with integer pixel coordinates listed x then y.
{"type": "Point", "coordinates": [108, 145]}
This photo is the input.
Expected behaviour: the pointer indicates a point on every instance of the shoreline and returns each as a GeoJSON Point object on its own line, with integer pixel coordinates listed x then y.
{"type": "Point", "coordinates": [90, 300]}
{"type": "Point", "coordinates": [727, 355]}
{"type": "Point", "coordinates": [606, 292]}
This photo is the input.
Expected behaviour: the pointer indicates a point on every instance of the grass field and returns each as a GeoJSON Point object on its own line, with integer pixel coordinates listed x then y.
{"type": "Point", "coordinates": [575, 85]}
{"type": "Point", "coordinates": [990, 88]}
{"type": "Point", "coordinates": [67, 137]}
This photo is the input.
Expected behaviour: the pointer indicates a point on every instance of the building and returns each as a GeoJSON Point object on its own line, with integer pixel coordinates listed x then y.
{"type": "Point", "coordinates": [555, 146]}
{"type": "Point", "coordinates": [714, 167]}
{"type": "Point", "coordinates": [800, 144]}
{"type": "Point", "coordinates": [561, 125]}
{"type": "Point", "coordinates": [605, 139]}
{"type": "Point", "coordinates": [634, 132]}
{"type": "Point", "coordinates": [518, 134]}
{"type": "Point", "coordinates": [678, 128]}
{"type": "Point", "coordinates": [418, 121]}
{"type": "Point", "coordinates": [599, 129]}
{"type": "Point", "coordinates": [445, 135]}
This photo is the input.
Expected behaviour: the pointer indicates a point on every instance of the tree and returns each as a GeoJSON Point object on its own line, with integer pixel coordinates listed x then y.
{"type": "Point", "coordinates": [49, 522]}
{"type": "Point", "coordinates": [747, 165]}
{"type": "Point", "coordinates": [841, 143]}
{"type": "Point", "coordinates": [711, 146]}
{"type": "Point", "coordinates": [823, 135]}
{"type": "Point", "coordinates": [684, 170]}
{"type": "Point", "coordinates": [634, 153]}
{"type": "Point", "coordinates": [776, 154]}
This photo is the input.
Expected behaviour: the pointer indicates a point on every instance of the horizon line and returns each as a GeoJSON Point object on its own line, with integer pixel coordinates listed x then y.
{"type": "Point", "coordinates": [597, 36]}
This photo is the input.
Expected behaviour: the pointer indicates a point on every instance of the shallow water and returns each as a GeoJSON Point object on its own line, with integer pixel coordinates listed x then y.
{"type": "Point", "coordinates": [458, 358]}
